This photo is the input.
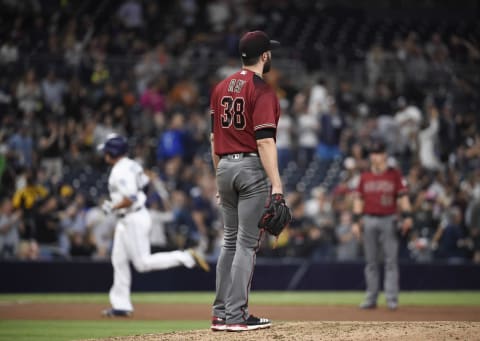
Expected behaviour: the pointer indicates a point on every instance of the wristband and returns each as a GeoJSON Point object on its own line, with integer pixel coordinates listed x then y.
{"type": "Point", "coordinates": [356, 217]}
{"type": "Point", "coordinates": [406, 215]}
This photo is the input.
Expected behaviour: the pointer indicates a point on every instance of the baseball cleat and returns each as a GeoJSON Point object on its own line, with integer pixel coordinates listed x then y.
{"type": "Point", "coordinates": [392, 305]}
{"type": "Point", "coordinates": [116, 313]}
{"type": "Point", "coordinates": [368, 305]}
{"type": "Point", "coordinates": [252, 323]}
{"type": "Point", "coordinates": [199, 260]}
{"type": "Point", "coordinates": [218, 324]}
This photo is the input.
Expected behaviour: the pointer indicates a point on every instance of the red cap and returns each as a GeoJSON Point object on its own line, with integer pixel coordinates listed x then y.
{"type": "Point", "coordinates": [253, 44]}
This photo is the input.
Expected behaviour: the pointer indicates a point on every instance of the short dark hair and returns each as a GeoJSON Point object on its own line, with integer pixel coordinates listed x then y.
{"type": "Point", "coordinates": [250, 61]}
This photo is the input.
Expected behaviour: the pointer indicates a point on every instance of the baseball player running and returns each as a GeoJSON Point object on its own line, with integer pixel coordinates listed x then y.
{"type": "Point", "coordinates": [380, 190]}
{"type": "Point", "coordinates": [131, 240]}
{"type": "Point", "coordinates": [245, 113]}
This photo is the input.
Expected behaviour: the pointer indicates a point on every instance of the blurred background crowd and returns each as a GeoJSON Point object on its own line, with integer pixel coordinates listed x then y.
{"type": "Point", "coordinates": [73, 72]}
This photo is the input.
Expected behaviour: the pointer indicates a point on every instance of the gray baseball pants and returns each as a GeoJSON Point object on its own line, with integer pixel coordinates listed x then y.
{"type": "Point", "coordinates": [380, 235]}
{"type": "Point", "coordinates": [244, 188]}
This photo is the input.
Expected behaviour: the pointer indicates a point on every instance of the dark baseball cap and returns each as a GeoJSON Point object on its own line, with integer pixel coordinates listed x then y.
{"type": "Point", "coordinates": [254, 43]}
{"type": "Point", "coordinates": [377, 145]}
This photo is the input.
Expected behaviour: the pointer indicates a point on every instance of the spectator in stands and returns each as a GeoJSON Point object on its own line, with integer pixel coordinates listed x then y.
{"type": "Point", "coordinates": [298, 228]}
{"type": "Point", "coordinates": [184, 229]}
{"type": "Point", "coordinates": [184, 95]}
{"type": "Point", "coordinates": [8, 53]}
{"type": "Point", "coordinates": [104, 127]}
{"type": "Point", "coordinates": [159, 237]}
{"type": "Point", "coordinates": [426, 221]}
{"type": "Point", "coordinates": [26, 199]}
{"type": "Point", "coordinates": [448, 134]}
{"type": "Point", "coordinates": [318, 98]}
{"type": "Point", "coordinates": [408, 119]}
{"type": "Point", "coordinates": [204, 213]}
{"type": "Point", "coordinates": [331, 126]}
{"type": "Point", "coordinates": [449, 237]}
{"type": "Point", "coordinates": [473, 224]}
{"type": "Point", "coordinates": [380, 99]}
{"type": "Point", "coordinates": [285, 139]}
{"type": "Point", "coordinates": [10, 224]}
{"type": "Point", "coordinates": [375, 64]}
{"type": "Point", "coordinates": [130, 14]}
{"type": "Point", "coordinates": [53, 145]}
{"type": "Point", "coordinates": [345, 99]}
{"type": "Point", "coordinates": [75, 239]}
{"type": "Point", "coordinates": [348, 246]}
{"type": "Point", "coordinates": [319, 207]}
{"type": "Point", "coordinates": [21, 146]}
{"type": "Point", "coordinates": [6, 97]}
{"type": "Point", "coordinates": [229, 68]}
{"type": "Point", "coordinates": [76, 100]}
{"type": "Point", "coordinates": [146, 71]}
{"type": "Point", "coordinates": [427, 139]}
{"type": "Point", "coordinates": [320, 211]}
{"type": "Point", "coordinates": [436, 46]}
{"type": "Point", "coordinates": [172, 141]}
{"type": "Point", "coordinates": [29, 94]}
{"type": "Point", "coordinates": [48, 231]}
{"type": "Point", "coordinates": [153, 100]}
{"type": "Point", "coordinates": [218, 15]}
{"type": "Point", "coordinates": [307, 128]}
{"type": "Point", "coordinates": [100, 75]}
{"type": "Point", "coordinates": [53, 90]}
{"type": "Point", "coordinates": [73, 48]}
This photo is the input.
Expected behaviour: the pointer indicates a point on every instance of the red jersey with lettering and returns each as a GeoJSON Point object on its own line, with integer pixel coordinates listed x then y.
{"type": "Point", "coordinates": [240, 105]}
{"type": "Point", "coordinates": [380, 191]}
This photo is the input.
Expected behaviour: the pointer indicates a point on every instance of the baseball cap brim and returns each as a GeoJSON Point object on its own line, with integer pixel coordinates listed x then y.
{"type": "Point", "coordinates": [274, 44]}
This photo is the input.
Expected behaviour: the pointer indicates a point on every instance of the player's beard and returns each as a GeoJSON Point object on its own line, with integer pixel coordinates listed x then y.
{"type": "Point", "coordinates": [267, 65]}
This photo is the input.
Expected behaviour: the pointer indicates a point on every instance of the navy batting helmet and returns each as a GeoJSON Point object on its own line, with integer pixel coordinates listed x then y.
{"type": "Point", "coordinates": [115, 146]}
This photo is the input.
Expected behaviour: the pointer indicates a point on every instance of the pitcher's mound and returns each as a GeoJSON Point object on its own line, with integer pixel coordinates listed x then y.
{"type": "Point", "coordinates": [315, 330]}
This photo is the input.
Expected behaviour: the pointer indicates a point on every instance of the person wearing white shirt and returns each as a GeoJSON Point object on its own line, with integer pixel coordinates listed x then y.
{"type": "Point", "coordinates": [131, 241]}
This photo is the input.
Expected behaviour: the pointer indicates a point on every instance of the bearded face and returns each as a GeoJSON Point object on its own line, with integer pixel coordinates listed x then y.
{"type": "Point", "coordinates": [268, 64]}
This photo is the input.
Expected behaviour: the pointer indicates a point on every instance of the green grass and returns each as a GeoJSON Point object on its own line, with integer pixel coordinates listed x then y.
{"type": "Point", "coordinates": [456, 298]}
{"type": "Point", "coordinates": [69, 330]}
{"type": "Point", "coordinates": [74, 330]}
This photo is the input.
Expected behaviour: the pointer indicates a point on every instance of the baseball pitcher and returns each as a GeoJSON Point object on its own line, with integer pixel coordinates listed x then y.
{"type": "Point", "coordinates": [245, 112]}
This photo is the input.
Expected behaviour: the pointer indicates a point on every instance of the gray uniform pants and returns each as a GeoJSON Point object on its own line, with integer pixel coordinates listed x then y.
{"type": "Point", "coordinates": [244, 188]}
{"type": "Point", "coordinates": [380, 234]}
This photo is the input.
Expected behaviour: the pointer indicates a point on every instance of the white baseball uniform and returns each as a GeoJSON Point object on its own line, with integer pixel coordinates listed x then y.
{"type": "Point", "coordinates": [131, 240]}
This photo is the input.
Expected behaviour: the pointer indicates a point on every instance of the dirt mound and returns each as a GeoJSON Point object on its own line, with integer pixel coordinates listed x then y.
{"type": "Point", "coordinates": [315, 330]}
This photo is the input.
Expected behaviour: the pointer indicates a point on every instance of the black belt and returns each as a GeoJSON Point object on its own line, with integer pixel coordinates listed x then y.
{"type": "Point", "coordinates": [235, 156]}
{"type": "Point", "coordinates": [122, 215]}
{"type": "Point", "coordinates": [379, 215]}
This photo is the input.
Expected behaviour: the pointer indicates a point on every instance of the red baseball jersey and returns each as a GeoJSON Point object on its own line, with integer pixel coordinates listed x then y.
{"type": "Point", "coordinates": [240, 105]}
{"type": "Point", "coordinates": [380, 191]}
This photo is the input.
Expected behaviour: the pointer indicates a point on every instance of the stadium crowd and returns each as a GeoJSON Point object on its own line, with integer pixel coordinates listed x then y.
{"type": "Point", "coordinates": [74, 72]}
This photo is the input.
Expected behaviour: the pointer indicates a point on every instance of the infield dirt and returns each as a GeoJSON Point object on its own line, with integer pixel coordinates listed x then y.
{"type": "Point", "coordinates": [289, 322]}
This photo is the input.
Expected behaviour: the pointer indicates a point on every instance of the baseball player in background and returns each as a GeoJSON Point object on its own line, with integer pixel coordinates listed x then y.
{"type": "Point", "coordinates": [131, 241]}
{"type": "Point", "coordinates": [244, 112]}
{"type": "Point", "coordinates": [380, 191]}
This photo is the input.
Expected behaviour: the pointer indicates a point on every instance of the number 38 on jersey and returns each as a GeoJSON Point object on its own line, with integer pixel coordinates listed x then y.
{"type": "Point", "coordinates": [233, 112]}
